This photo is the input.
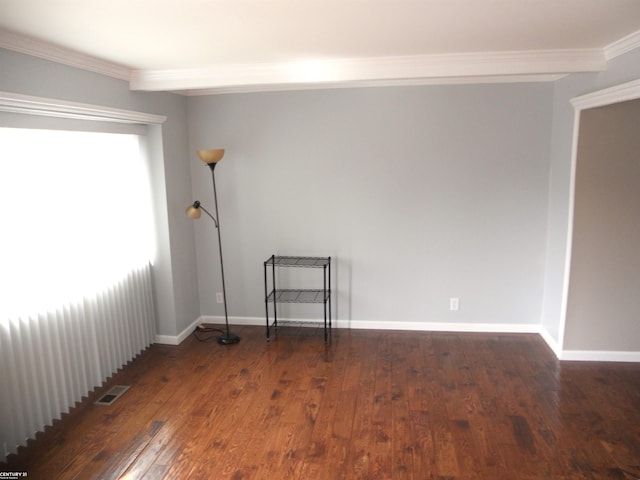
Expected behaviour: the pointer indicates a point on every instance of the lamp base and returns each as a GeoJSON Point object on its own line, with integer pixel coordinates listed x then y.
{"type": "Point", "coordinates": [228, 339]}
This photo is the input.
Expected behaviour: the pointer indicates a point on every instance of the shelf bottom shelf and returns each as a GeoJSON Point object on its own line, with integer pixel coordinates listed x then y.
{"type": "Point", "coordinates": [298, 323]}
{"type": "Point", "coordinates": [299, 329]}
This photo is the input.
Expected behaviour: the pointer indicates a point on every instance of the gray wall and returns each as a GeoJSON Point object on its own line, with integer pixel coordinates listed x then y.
{"type": "Point", "coordinates": [619, 70]}
{"type": "Point", "coordinates": [603, 303]}
{"type": "Point", "coordinates": [419, 193]}
{"type": "Point", "coordinates": [174, 270]}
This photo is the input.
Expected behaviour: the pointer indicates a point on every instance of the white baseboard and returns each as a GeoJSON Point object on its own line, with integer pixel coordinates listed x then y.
{"type": "Point", "coordinates": [587, 355]}
{"type": "Point", "coordinates": [385, 325]}
{"type": "Point", "coordinates": [572, 355]}
{"type": "Point", "coordinates": [439, 326]}
{"type": "Point", "coordinates": [232, 320]}
{"type": "Point", "coordinates": [550, 341]}
{"type": "Point", "coordinates": [178, 339]}
{"type": "Point", "coordinates": [599, 356]}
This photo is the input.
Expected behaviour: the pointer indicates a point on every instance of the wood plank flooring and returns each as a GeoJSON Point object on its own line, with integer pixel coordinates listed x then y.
{"type": "Point", "coordinates": [368, 405]}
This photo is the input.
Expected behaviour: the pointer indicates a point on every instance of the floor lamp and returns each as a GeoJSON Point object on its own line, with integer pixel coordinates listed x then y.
{"type": "Point", "coordinates": [211, 158]}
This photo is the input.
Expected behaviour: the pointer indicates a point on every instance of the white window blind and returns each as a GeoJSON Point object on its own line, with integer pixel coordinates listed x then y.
{"type": "Point", "coordinates": [76, 242]}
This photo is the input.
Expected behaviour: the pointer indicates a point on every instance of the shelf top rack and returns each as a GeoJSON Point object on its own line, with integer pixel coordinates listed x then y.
{"type": "Point", "coordinates": [298, 296]}
{"type": "Point", "coordinates": [308, 262]}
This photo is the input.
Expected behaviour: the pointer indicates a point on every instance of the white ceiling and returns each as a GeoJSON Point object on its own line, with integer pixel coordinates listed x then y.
{"type": "Point", "coordinates": [248, 45]}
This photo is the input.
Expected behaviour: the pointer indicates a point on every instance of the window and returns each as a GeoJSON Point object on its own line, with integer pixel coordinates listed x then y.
{"type": "Point", "coordinates": [75, 214]}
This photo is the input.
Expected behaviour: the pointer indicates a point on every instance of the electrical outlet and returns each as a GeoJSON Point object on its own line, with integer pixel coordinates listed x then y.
{"type": "Point", "coordinates": [454, 304]}
{"type": "Point", "coordinates": [219, 297]}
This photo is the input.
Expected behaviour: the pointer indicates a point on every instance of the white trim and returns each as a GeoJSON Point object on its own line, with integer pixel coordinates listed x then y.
{"type": "Point", "coordinates": [55, 53]}
{"type": "Point", "coordinates": [343, 72]}
{"type": "Point", "coordinates": [178, 339]}
{"type": "Point", "coordinates": [358, 325]}
{"type": "Point", "coordinates": [564, 302]}
{"type": "Point", "coordinates": [615, 94]}
{"type": "Point", "coordinates": [622, 46]}
{"type": "Point", "coordinates": [27, 104]}
{"type": "Point", "coordinates": [600, 356]}
{"type": "Point", "coordinates": [440, 326]}
{"type": "Point", "coordinates": [219, 319]}
{"type": "Point", "coordinates": [389, 325]}
{"type": "Point", "coordinates": [550, 341]}
{"type": "Point", "coordinates": [596, 356]}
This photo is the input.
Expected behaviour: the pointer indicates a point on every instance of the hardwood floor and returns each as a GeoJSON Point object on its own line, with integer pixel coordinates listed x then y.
{"type": "Point", "coordinates": [369, 405]}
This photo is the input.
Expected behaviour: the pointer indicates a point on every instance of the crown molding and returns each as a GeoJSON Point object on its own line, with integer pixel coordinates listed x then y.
{"type": "Point", "coordinates": [622, 46]}
{"type": "Point", "coordinates": [49, 51]}
{"type": "Point", "coordinates": [28, 104]}
{"type": "Point", "coordinates": [370, 71]}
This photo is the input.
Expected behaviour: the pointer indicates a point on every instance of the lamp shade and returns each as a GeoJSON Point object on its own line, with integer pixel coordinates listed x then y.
{"type": "Point", "coordinates": [193, 212]}
{"type": "Point", "coordinates": [211, 156]}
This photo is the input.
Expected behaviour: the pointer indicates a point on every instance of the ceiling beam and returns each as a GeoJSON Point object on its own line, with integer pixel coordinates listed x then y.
{"type": "Point", "coordinates": [424, 69]}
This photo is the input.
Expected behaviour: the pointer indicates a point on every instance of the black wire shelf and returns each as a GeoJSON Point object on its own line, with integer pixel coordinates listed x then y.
{"type": "Point", "coordinates": [298, 295]}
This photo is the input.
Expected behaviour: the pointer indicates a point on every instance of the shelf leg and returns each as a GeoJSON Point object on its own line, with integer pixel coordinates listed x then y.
{"type": "Point", "coordinates": [329, 293]}
{"type": "Point", "coordinates": [324, 293]}
{"type": "Point", "coordinates": [266, 299]}
{"type": "Point", "coordinates": [275, 300]}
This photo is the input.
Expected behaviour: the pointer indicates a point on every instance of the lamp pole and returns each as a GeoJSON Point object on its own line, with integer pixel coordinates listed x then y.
{"type": "Point", "coordinates": [211, 158]}
{"type": "Point", "coordinates": [228, 338]}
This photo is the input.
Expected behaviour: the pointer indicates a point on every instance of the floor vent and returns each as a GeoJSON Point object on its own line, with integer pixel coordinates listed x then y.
{"type": "Point", "coordinates": [112, 395]}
